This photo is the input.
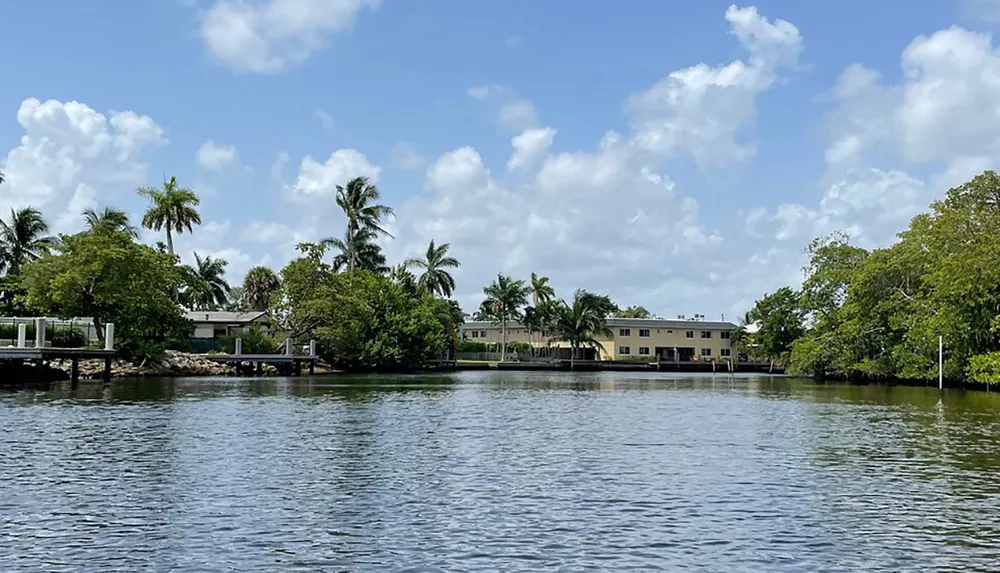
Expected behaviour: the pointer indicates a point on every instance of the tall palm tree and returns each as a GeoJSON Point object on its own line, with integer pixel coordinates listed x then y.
{"type": "Point", "coordinates": [504, 298]}
{"type": "Point", "coordinates": [358, 251]}
{"type": "Point", "coordinates": [214, 291]}
{"type": "Point", "coordinates": [23, 238]}
{"type": "Point", "coordinates": [359, 201]}
{"type": "Point", "coordinates": [109, 219]}
{"type": "Point", "coordinates": [259, 286]}
{"type": "Point", "coordinates": [541, 291]}
{"type": "Point", "coordinates": [435, 279]}
{"type": "Point", "coordinates": [581, 323]}
{"type": "Point", "coordinates": [172, 207]}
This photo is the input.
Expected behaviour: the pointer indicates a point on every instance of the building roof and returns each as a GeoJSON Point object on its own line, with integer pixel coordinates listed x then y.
{"type": "Point", "coordinates": [679, 324]}
{"type": "Point", "coordinates": [222, 317]}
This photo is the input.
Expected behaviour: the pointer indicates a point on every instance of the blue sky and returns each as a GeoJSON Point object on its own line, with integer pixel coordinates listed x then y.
{"type": "Point", "coordinates": [677, 155]}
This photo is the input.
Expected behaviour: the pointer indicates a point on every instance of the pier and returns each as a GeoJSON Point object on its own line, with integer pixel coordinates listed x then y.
{"type": "Point", "coordinates": [253, 363]}
{"type": "Point", "coordinates": [39, 353]}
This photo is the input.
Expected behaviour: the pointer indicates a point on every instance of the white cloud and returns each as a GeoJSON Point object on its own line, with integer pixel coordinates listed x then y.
{"type": "Point", "coordinates": [700, 110]}
{"type": "Point", "coordinates": [529, 146]}
{"type": "Point", "coordinates": [406, 158]}
{"type": "Point", "coordinates": [324, 118]}
{"type": "Point", "coordinates": [215, 156]}
{"type": "Point", "coordinates": [72, 157]}
{"type": "Point", "coordinates": [267, 36]}
{"type": "Point", "coordinates": [514, 113]}
{"type": "Point", "coordinates": [321, 179]}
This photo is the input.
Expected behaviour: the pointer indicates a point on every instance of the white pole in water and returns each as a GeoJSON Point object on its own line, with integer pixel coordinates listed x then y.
{"type": "Point", "coordinates": [39, 333]}
{"type": "Point", "coordinates": [940, 363]}
{"type": "Point", "coordinates": [312, 348]}
{"type": "Point", "coordinates": [239, 347]}
{"type": "Point", "coordinates": [288, 347]}
{"type": "Point", "coordinates": [22, 335]}
{"type": "Point", "coordinates": [109, 336]}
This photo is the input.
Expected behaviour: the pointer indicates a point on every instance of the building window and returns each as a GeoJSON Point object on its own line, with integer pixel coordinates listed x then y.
{"type": "Point", "coordinates": [644, 350]}
{"type": "Point", "coordinates": [725, 335]}
{"type": "Point", "coordinates": [706, 334]}
{"type": "Point", "coordinates": [643, 333]}
{"type": "Point", "coordinates": [724, 352]}
{"type": "Point", "coordinates": [689, 334]}
{"type": "Point", "coordinates": [624, 332]}
{"type": "Point", "coordinates": [475, 334]}
{"type": "Point", "coordinates": [706, 352]}
{"type": "Point", "coordinates": [482, 334]}
{"type": "Point", "coordinates": [624, 350]}
{"type": "Point", "coordinates": [668, 332]}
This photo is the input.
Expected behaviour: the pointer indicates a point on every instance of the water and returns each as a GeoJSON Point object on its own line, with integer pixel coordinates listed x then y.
{"type": "Point", "coordinates": [498, 472]}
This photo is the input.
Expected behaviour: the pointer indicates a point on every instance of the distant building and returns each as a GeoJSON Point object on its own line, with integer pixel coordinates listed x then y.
{"type": "Point", "coordinates": [632, 339]}
{"type": "Point", "coordinates": [216, 324]}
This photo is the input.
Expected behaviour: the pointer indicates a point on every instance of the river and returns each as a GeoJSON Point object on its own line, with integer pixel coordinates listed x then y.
{"type": "Point", "coordinates": [498, 472]}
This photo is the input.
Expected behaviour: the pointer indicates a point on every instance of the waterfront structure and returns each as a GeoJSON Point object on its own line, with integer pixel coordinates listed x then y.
{"type": "Point", "coordinates": [217, 324]}
{"type": "Point", "coordinates": [641, 339]}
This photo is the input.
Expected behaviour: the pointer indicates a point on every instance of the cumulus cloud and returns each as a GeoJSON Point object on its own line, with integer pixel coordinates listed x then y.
{"type": "Point", "coordinates": [267, 36]}
{"type": "Point", "coordinates": [72, 157]}
{"type": "Point", "coordinates": [513, 112]}
{"type": "Point", "coordinates": [529, 146]}
{"type": "Point", "coordinates": [214, 156]}
{"type": "Point", "coordinates": [321, 179]}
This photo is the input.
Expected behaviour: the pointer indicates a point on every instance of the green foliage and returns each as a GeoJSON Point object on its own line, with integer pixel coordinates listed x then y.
{"type": "Point", "coordinates": [583, 322]}
{"type": "Point", "coordinates": [12, 297]}
{"type": "Point", "coordinates": [364, 321]}
{"type": "Point", "coordinates": [255, 339]}
{"type": "Point", "coordinates": [435, 279]}
{"type": "Point", "coordinates": [633, 312]}
{"type": "Point", "coordinates": [259, 287]}
{"type": "Point", "coordinates": [58, 337]}
{"type": "Point", "coordinates": [985, 368]}
{"type": "Point", "coordinates": [112, 279]}
{"type": "Point", "coordinates": [878, 315]}
{"type": "Point", "coordinates": [23, 238]}
{"type": "Point", "coordinates": [779, 319]}
{"type": "Point", "coordinates": [172, 207]}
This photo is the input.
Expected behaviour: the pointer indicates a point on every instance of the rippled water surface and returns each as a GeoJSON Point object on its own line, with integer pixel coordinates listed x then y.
{"type": "Point", "coordinates": [498, 472]}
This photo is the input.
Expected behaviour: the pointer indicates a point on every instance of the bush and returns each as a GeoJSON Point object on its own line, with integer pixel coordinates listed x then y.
{"type": "Point", "coordinates": [255, 341]}
{"type": "Point", "coordinates": [58, 336]}
{"type": "Point", "coordinates": [985, 368]}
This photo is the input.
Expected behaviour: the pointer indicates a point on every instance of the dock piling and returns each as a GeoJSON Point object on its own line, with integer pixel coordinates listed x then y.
{"type": "Point", "coordinates": [22, 335]}
{"type": "Point", "coordinates": [39, 333]}
{"type": "Point", "coordinates": [288, 347]}
{"type": "Point", "coordinates": [107, 370]}
{"type": "Point", "coordinates": [74, 373]}
{"type": "Point", "coordinates": [109, 336]}
{"type": "Point", "coordinates": [239, 347]}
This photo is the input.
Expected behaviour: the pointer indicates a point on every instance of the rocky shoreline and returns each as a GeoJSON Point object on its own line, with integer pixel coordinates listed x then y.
{"type": "Point", "coordinates": [172, 364]}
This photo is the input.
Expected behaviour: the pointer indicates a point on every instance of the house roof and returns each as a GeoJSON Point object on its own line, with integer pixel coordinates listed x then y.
{"type": "Point", "coordinates": [222, 317]}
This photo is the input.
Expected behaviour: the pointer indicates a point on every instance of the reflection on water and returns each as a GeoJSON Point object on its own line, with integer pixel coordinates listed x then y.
{"type": "Point", "coordinates": [498, 471]}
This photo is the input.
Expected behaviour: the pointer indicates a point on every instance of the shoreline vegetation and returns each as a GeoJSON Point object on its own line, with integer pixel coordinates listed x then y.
{"type": "Point", "coordinates": [859, 316]}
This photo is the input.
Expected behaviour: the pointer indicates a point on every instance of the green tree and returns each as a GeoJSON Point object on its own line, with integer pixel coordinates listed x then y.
{"type": "Point", "coordinates": [12, 297]}
{"type": "Point", "coordinates": [23, 238]}
{"type": "Point", "coordinates": [832, 261]}
{"type": "Point", "coordinates": [582, 322]}
{"type": "Point", "coordinates": [359, 202]}
{"type": "Point", "coordinates": [541, 291]}
{"type": "Point", "coordinates": [259, 286]}
{"type": "Point", "coordinates": [213, 291]}
{"type": "Point", "coordinates": [358, 251]}
{"type": "Point", "coordinates": [237, 300]}
{"type": "Point", "coordinates": [172, 207]}
{"type": "Point", "coordinates": [111, 278]}
{"type": "Point", "coordinates": [504, 298]}
{"type": "Point", "coordinates": [109, 219]}
{"type": "Point", "coordinates": [633, 312]}
{"type": "Point", "coordinates": [435, 277]}
{"type": "Point", "coordinates": [779, 320]}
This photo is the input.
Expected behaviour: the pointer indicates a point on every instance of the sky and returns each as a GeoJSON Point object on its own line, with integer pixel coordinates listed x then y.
{"type": "Point", "coordinates": [675, 155]}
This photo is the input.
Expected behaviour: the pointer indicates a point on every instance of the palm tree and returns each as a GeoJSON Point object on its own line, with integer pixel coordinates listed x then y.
{"type": "Point", "coordinates": [358, 252]}
{"type": "Point", "coordinates": [259, 286]}
{"type": "Point", "coordinates": [581, 323]}
{"type": "Point", "coordinates": [22, 239]}
{"type": "Point", "coordinates": [2, 178]}
{"type": "Point", "coordinates": [402, 276]}
{"type": "Point", "coordinates": [541, 291]}
{"type": "Point", "coordinates": [211, 273]}
{"type": "Point", "coordinates": [358, 199]}
{"type": "Point", "coordinates": [173, 208]}
{"type": "Point", "coordinates": [109, 219]}
{"type": "Point", "coordinates": [504, 299]}
{"type": "Point", "coordinates": [435, 279]}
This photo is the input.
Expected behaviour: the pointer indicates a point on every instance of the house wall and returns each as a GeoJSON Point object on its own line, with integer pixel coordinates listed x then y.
{"type": "Point", "coordinates": [204, 331]}
{"type": "Point", "coordinates": [632, 340]}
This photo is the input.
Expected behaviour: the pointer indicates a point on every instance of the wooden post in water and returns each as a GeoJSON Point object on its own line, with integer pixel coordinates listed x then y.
{"type": "Point", "coordinates": [107, 370]}
{"type": "Point", "coordinates": [22, 335]}
{"type": "Point", "coordinates": [312, 357]}
{"type": "Point", "coordinates": [940, 363]}
{"type": "Point", "coordinates": [74, 373]}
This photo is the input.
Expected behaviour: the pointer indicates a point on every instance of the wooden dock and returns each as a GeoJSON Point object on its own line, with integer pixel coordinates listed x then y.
{"type": "Point", "coordinates": [39, 353]}
{"type": "Point", "coordinates": [255, 362]}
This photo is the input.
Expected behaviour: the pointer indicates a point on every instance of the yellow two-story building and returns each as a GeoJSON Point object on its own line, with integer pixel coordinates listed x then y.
{"type": "Point", "coordinates": [683, 340]}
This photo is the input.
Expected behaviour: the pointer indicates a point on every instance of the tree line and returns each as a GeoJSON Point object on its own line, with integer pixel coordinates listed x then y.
{"type": "Point", "coordinates": [340, 291]}
{"type": "Point", "coordinates": [878, 314]}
